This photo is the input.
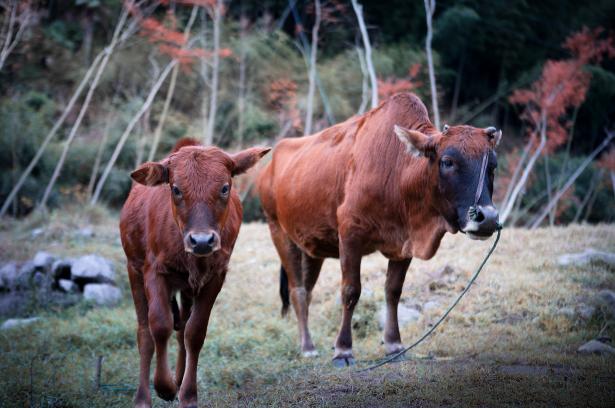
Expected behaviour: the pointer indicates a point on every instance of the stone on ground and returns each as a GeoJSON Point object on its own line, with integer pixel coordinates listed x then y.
{"type": "Point", "coordinates": [596, 347]}
{"type": "Point", "coordinates": [13, 323]}
{"type": "Point", "coordinates": [586, 257]}
{"type": "Point", "coordinates": [92, 269]}
{"type": "Point", "coordinates": [102, 294]}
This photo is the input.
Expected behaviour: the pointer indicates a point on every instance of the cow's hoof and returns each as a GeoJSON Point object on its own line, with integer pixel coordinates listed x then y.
{"type": "Point", "coordinates": [143, 404]}
{"type": "Point", "coordinates": [393, 348]}
{"type": "Point", "coordinates": [343, 361]}
{"type": "Point", "coordinates": [310, 353]}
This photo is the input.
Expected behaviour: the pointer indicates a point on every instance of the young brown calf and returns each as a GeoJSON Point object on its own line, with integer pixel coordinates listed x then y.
{"type": "Point", "coordinates": [178, 228]}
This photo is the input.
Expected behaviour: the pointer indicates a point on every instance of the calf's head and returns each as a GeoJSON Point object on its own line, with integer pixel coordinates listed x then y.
{"type": "Point", "coordinates": [199, 183]}
{"type": "Point", "coordinates": [457, 157]}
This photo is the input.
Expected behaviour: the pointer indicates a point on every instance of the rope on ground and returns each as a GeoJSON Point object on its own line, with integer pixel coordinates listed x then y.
{"type": "Point", "coordinates": [433, 328]}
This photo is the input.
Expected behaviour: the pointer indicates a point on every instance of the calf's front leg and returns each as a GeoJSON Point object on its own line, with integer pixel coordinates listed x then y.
{"type": "Point", "coordinates": [194, 336]}
{"type": "Point", "coordinates": [160, 320]}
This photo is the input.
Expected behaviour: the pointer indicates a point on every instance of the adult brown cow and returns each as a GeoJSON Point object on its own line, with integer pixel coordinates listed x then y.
{"type": "Point", "coordinates": [178, 228]}
{"type": "Point", "coordinates": [385, 181]}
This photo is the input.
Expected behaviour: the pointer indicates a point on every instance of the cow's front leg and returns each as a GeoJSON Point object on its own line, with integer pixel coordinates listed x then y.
{"type": "Point", "coordinates": [350, 258]}
{"type": "Point", "coordinates": [160, 320]}
{"type": "Point", "coordinates": [396, 273]}
{"type": "Point", "coordinates": [194, 336]}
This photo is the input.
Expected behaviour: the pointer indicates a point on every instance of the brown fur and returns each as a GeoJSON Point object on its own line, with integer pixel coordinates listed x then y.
{"type": "Point", "coordinates": [153, 224]}
{"type": "Point", "coordinates": [351, 190]}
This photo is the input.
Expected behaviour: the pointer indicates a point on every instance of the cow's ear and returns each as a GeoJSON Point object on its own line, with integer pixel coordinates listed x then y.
{"type": "Point", "coordinates": [151, 174]}
{"type": "Point", "coordinates": [245, 159]}
{"type": "Point", "coordinates": [494, 136]}
{"type": "Point", "coordinates": [416, 143]}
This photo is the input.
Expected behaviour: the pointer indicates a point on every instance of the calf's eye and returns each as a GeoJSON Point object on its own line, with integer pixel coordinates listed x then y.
{"type": "Point", "coordinates": [225, 190]}
{"type": "Point", "coordinates": [176, 192]}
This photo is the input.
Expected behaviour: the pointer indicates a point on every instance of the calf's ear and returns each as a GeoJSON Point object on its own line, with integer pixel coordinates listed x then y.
{"type": "Point", "coordinates": [416, 143]}
{"type": "Point", "coordinates": [245, 159]}
{"type": "Point", "coordinates": [151, 174]}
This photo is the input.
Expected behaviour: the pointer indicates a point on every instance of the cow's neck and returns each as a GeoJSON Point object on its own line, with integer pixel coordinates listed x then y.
{"type": "Point", "coordinates": [425, 226]}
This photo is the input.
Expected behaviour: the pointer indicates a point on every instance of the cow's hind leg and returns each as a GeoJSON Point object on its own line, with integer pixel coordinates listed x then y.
{"type": "Point", "coordinates": [396, 273]}
{"type": "Point", "coordinates": [145, 342]}
{"type": "Point", "coordinates": [299, 283]}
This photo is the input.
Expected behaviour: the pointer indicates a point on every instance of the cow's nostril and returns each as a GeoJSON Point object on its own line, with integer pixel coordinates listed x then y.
{"type": "Point", "coordinates": [192, 240]}
{"type": "Point", "coordinates": [212, 239]}
{"type": "Point", "coordinates": [480, 217]}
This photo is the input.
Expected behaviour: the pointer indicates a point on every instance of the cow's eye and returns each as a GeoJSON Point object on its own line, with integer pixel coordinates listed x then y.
{"type": "Point", "coordinates": [176, 192]}
{"type": "Point", "coordinates": [225, 190]}
{"type": "Point", "coordinates": [446, 163]}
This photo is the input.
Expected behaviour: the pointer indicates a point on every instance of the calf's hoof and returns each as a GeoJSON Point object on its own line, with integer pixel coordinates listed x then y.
{"type": "Point", "coordinates": [166, 390]}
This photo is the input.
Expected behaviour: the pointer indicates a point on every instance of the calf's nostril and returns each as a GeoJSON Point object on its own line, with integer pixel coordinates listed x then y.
{"type": "Point", "coordinates": [480, 217]}
{"type": "Point", "coordinates": [211, 239]}
{"type": "Point", "coordinates": [192, 240]}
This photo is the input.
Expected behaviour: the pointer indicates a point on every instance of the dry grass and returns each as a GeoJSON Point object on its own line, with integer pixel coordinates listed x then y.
{"type": "Point", "coordinates": [507, 344]}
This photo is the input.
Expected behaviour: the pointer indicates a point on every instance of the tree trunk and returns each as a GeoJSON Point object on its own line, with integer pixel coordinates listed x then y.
{"type": "Point", "coordinates": [99, 153]}
{"type": "Point", "coordinates": [528, 168]}
{"type": "Point", "coordinates": [170, 92]}
{"type": "Point", "coordinates": [572, 179]}
{"type": "Point", "coordinates": [23, 19]}
{"type": "Point", "coordinates": [86, 103]}
{"type": "Point", "coordinates": [358, 10]}
{"type": "Point", "coordinates": [213, 103]}
{"type": "Point", "coordinates": [120, 144]}
{"type": "Point", "coordinates": [309, 115]}
{"type": "Point", "coordinates": [241, 100]}
{"type": "Point", "coordinates": [365, 83]}
{"type": "Point", "coordinates": [549, 191]}
{"type": "Point", "coordinates": [51, 134]}
{"type": "Point", "coordinates": [430, 8]}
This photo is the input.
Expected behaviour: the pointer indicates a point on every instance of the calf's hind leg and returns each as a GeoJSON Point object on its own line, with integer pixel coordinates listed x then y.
{"type": "Point", "coordinates": [143, 398]}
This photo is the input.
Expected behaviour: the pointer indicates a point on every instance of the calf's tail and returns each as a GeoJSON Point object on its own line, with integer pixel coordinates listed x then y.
{"type": "Point", "coordinates": [284, 291]}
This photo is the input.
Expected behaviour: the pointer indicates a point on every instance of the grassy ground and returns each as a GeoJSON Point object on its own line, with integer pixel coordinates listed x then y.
{"type": "Point", "coordinates": [507, 344]}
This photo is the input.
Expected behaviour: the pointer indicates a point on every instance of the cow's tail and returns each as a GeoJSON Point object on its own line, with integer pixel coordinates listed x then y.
{"type": "Point", "coordinates": [284, 291]}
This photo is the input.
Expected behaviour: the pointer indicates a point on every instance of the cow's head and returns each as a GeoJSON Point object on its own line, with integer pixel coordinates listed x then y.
{"type": "Point", "coordinates": [455, 160]}
{"type": "Point", "coordinates": [199, 182]}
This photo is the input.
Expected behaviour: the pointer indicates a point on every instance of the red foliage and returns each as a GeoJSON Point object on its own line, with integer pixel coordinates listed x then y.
{"type": "Point", "coordinates": [607, 161]}
{"type": "Point", "coordinates": [168, 39]}
{"type": "Point", "coordinates": [390, 86]}
{"type": "Point", "coordinates": [562, 85]}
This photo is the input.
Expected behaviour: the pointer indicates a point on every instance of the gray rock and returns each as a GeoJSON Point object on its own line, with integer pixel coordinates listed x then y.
{"type": "Point", "coordinates": [581, 311]}
{"type": "Point", "coordinates": [42, 281]}
{"type": "Point", "coordinates": [596, 347]}
{"type": "Point", "coordinates": [607, 298]}
{"type": "Point", "coordinates": [92, 269]}
{"type": "Point", "coordinates": [13, 323]}
{"type": "Point", "coordinates": [405, 315]}
{"type": "Point", "coordinates": [102, 294]}
{"type": "Point", "coordinates": [68, 286]}
{"type": "Point", "coordinates": [586, 257]}
{"type": "Point", "coordinates": [43, 260]}
{"type": "Point", "coordinates": [8, 275]}
{"type": "Point", "coordinates": [61, 269]}
{"type": "Point", "coordinates": [24, 276]}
